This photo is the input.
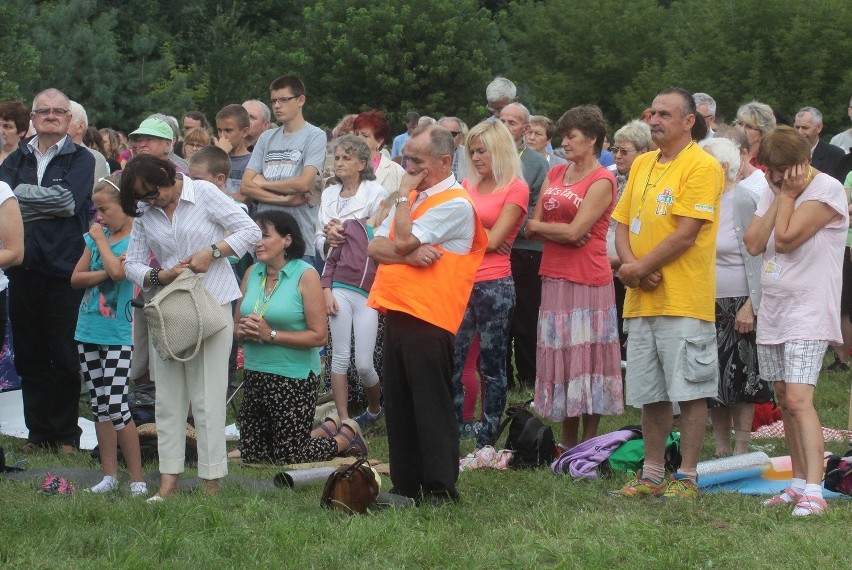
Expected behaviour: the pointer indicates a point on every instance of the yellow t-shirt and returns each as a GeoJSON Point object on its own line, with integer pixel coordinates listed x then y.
{"type": "Point", "coordinates": [688, 186]}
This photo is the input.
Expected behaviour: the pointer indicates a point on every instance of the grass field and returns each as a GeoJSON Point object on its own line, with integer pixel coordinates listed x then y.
{"type": "Point", "coordinates": [514, 519]}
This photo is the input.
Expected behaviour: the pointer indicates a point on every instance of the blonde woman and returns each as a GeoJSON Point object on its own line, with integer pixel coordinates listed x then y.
{"type": "Point", "coordinates": [500, 197]}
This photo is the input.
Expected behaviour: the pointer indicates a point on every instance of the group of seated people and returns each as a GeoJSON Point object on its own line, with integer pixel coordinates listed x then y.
{"type": "Point", "coordinates": [708, 256]}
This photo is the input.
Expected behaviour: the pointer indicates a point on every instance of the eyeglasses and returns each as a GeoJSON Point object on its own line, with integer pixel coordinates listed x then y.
{"type": "Point", "coordinates": [745, 125]}
{"type": "Point", "coordinates": [193, 145]}
{"type": "Point", "coordinates": [58, 111]}
{"type": "Point", "coordinates": [149, 196]}
{"type": "Point", "coordinates": [282, 100]}
{"type": "Point", "coordinates": [620, 150]}
{"type": "Point", "coordinates": [455, 133]}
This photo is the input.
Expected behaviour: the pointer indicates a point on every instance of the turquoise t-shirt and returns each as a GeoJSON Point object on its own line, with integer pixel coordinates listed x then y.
{"type": "Point", "coordinates": [284, 311]}
{"type": "Point", "coordinates": [105, 312]}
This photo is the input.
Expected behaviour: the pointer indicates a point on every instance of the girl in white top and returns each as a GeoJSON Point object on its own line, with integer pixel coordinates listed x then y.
{"type": "Point", "coordinates": [11, 245]}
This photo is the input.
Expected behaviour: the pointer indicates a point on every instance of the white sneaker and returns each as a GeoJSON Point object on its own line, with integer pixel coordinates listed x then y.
{"type": "Point", "coordinates": [138, 489]}
{"type": "Point", "coordinates": [107, 485]}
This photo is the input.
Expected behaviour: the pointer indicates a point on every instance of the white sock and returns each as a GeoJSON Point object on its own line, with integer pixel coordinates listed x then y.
{"type": "Point", "coordinates": [372, 415]}
{"type": "Point", "coordinates": [107, 484]}
{"type": "Point", "coordinates": [813, 490]}
{"type": "Point", "coordinates": [798, 485]}
{"type": "Point", "coordinates": [138, 489]}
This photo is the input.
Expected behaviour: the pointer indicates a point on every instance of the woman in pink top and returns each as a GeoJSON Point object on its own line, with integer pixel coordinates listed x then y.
{"type": "Point", "coordinates": [800, 228]}
{"type": "Point", "coordinates": [578, 361]}
{"type": "Point", "coordinates": [500, 198]}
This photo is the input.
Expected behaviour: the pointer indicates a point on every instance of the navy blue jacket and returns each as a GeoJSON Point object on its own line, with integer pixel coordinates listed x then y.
{"type": "Point", "coordinates": [54, 246]}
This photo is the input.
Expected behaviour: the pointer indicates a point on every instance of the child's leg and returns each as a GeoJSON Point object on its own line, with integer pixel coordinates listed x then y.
{"type": "Point", "coordinates": [341, 332]}
{"type": "Point", "coordinates": [117, 378]}
{"type": "Point", "coordinates": [91, 366]}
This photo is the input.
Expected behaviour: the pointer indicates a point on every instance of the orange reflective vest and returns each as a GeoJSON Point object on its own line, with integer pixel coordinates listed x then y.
{"type": "Point", "coordinates": [437, 294]}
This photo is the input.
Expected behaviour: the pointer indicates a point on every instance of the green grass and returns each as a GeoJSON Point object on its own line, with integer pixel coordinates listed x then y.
{"type": "Point", "coordinates": [514, 519]}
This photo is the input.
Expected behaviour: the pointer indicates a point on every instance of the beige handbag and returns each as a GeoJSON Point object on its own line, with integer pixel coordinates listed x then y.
{"type": "Point", "coordinates": [181, 316]}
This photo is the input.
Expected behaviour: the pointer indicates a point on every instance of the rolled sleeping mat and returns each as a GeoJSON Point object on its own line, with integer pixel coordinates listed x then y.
{"type": "Point", "coordinates": [734, 468]}
{"type": "Point", "coordinates": [302, 477]}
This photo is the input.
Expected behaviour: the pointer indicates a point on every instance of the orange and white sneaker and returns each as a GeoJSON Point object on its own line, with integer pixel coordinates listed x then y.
{"type": "Point", "coordinates": [639, 487]}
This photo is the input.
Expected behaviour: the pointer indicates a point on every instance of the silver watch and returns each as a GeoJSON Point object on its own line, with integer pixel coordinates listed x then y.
{"type": "Point", "coordinates": [401, 200]}
{"type": "Point", "coordinates": [272, 334]}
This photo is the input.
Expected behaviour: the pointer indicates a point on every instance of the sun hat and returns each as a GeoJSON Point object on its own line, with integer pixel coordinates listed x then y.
{"type": "Point", "coordinates": [153, 128]}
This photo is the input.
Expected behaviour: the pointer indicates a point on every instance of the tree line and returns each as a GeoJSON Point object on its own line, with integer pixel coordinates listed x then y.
{"type": "Point", "coordinates": [123, 61]}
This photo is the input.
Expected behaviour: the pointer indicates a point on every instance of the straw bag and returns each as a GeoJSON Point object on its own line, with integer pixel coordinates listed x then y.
{"type": "Point", "coordinates": [181, 316]}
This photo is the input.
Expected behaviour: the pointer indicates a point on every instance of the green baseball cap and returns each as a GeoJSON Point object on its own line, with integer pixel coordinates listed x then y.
{"type": "Point", "coordinates": [154, 128]}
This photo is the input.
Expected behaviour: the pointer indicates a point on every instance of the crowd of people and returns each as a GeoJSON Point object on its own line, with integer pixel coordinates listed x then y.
{"type": "Point", "coordinates": [693, 267]}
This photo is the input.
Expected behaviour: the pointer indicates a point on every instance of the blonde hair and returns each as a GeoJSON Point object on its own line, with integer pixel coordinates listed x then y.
{"type": "Point", "coordinates": [111, 184]}
{"type": "Point", "coordinates": [505, 162]}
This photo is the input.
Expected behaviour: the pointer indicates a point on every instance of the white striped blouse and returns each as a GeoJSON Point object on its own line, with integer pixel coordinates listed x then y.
{"type": "Point", "coordinates": [203, 215]}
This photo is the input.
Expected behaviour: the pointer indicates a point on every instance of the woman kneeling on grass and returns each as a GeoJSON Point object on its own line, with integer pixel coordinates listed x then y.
{"type": "Point", "coordinates": [281, 323]}
{"type": "Point", "coordinates": [800, 228]}
{"type": "Point", "coordinates": [105, 337]}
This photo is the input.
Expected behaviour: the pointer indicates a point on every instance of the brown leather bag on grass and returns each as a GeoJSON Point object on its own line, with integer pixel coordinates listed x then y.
{"type": "Point", "coordinates": [351, 488]}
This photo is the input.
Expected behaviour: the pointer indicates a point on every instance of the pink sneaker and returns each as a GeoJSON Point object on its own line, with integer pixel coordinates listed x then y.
{"type": "Point", "coordinates": [780, 500]}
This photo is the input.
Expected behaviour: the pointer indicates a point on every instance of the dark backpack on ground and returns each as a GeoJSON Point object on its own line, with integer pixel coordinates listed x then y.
{"type": "Point", "coordinates": [838, 474]}
{"type": "Point", "coordinates": [141, 402]}
{"type": "Point", "coordinates": [529, 439]}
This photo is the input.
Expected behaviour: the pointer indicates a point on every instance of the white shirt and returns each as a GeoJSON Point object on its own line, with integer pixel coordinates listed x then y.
{"type": "Point", "coordinates": [203, 215]}
{"type": "Point", "coordinates": [42, 160]}
{"type": "Point", "coordinates": [450, 225]}
{"type": "Point", "coordinates": [366, 202]}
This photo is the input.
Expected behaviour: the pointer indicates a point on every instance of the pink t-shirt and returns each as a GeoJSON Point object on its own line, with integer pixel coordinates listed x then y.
{"type": "Point", "coordinates": [488, 207]}
{"type": "Point", "coordinates": [801, 289]}
{"type": "Point", "coordinates": [589, 264]}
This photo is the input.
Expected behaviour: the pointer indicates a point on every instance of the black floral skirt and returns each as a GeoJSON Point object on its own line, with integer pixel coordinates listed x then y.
{"type": "Point", "coordinates": [739, 376]}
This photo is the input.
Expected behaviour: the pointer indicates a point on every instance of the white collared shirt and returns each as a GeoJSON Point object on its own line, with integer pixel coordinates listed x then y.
{"type": "Point", "coordinates": [450, 225]}
{"type": "Point", "coordinates": [42, 160]}
{"type": "Point", "coordinates": [203, 215]}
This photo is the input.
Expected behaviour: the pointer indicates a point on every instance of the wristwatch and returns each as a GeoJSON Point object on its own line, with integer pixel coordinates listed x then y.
{"type": "Point", "coordinates": [217, 253]}
{"type": "Point", "coordinates": [401, 200]}
{"type": "Point", "coordinates": [272, 334]}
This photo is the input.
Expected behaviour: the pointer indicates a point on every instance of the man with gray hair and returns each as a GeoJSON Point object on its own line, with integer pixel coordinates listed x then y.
{"type": "Point", "coordinates": [824, 157]}
{"type": "Point", "coordinates": [458, 129]}
{"type": "Point", "coordinates": [705, 105]}
{"type": "Point", "coordinates": [78, 126]}
{"type": "Point", "coordinates": [52, 178]}
{"type": "Point", "coordinates": [525, 258]}
{"type": "Point", "coordinates": [499, 93]}
{"type": "Point", "coordinates": [259, 121]}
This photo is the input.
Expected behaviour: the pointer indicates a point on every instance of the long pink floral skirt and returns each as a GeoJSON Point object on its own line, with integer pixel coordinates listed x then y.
{"type": "Point", "coordinates": [578, 361]}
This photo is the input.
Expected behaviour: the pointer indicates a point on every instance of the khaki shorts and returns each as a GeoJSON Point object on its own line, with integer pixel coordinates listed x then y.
{"type": "Point", "coordinates": [670, 359]}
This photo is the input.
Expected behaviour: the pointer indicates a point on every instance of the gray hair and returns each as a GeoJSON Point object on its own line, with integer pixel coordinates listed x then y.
{"type": "Point", "coordinates": [526, 112]}
{"type": "Point", "coordinates": [51, 92]}
{"type": "Point", "coordinates": [735, 134]}
{"type": "Point", "coordinates": [440, 140]}
{"type": "Point", "coordinates": [501, 89]}
{"type": "Point", "coordinates": [170, 121]}
{"type": "Point", "coordinates": [264, 108]}
{"type": "Point", "coordinates": [727, 152]}
{"type": "Point", "coordinates": [424, 120]}
{"type": "Point", "coordinates": [462, 126]}
{"type": "Point", "coordinates": [815, 113]}
{"type": "Point", "coordinates": [705, 99]}
{"type": "Point", "coordinates": [354, 145]}
{"type": "Point", "coordinates": [760, 113]}
{"type": "Point", "coordinates": [78, 114]}
{"type": "Point", "coordinates": [637, 132]}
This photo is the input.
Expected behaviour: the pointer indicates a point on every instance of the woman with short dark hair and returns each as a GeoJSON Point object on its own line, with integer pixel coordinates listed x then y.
{"type": "Point", "coordinates": [183, 222]}
{"type": "Point", "coordinates": [281, 323]}
{"type": "Point", "coordinates": [578, 363]}
{"type": "Point", "coordinates": [800, 228]}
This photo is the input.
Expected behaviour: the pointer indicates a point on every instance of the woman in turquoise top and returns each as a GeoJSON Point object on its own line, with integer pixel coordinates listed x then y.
{"type": "Point", "coordinates": [104, 337]}
{"type": "Point", "coordinates": [281, 323]}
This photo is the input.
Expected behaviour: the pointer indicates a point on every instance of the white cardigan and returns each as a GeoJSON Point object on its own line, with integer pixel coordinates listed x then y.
{"type": "Point", "coordinates": [389, 174]}
{"type": "Point", "coordinates": [366, 202]}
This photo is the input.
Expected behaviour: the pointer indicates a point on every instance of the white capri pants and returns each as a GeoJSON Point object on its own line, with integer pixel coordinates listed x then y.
{"type": "Point", "coordinates": [354, 312]}
{"type": "Point", "coordinates": [203, 382]}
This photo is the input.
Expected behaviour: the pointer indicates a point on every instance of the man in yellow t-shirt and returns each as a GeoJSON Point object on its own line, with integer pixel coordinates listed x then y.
{"type": "Point", "coordinates": [666, 239]}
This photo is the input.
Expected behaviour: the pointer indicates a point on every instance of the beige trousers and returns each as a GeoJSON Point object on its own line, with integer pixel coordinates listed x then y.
{"type": "Point", "coordinates": [202, 382]}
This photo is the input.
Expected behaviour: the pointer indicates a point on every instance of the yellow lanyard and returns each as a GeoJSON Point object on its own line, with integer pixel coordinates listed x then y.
{"type": "Point", "coordinates": [660, 177]}
{"type": "Point", "coordinates": [266, 298]}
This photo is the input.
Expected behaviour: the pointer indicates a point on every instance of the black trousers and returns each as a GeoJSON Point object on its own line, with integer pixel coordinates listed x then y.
{"type": "Point", "coordinates": [423, 436]}
{"type": "Point", "coordinates": [43, 311]}
{"type": "Point", "coordinates": [524, 327]}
